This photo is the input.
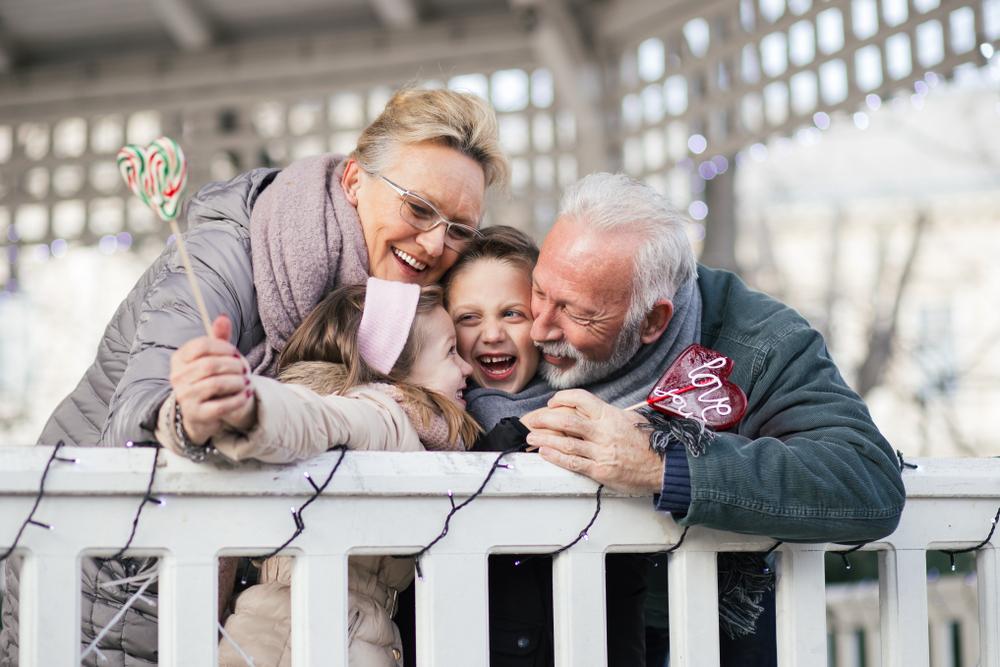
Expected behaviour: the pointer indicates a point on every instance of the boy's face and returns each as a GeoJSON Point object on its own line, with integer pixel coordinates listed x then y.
{"type": "Point", "coordinates": [490, 302]}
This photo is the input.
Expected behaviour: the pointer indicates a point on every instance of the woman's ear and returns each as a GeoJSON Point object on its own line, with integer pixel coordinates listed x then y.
{"type": "Point", "coordinates": [351, 181]}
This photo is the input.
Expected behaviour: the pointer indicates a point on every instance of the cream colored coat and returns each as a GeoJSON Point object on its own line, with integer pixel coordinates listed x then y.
{"type": "Point", "coordinates": [294, 423]}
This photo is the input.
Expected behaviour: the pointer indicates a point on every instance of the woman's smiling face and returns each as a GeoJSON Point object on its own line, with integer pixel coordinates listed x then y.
{"type": "Point", "coordinates": [490, 302]}
{"type": "Point", "coordinates": [453, 182]}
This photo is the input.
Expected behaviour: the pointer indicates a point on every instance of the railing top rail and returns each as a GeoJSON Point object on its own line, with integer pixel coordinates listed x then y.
{"type": "Point", "coordinates": [119, 471]}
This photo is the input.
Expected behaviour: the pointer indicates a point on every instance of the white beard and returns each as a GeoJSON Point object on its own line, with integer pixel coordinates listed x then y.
{"type": "Point", "coordinates": [586, 371]}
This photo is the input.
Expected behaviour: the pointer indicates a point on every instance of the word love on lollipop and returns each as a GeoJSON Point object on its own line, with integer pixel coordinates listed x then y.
{"type": "Point", "coordinates": [156, 174]}
{"type": "Point", "coordinates": [695, 387]}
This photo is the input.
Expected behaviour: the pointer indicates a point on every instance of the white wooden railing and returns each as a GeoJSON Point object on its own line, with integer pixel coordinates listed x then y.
{"type": "Point", "coordinates": [395, 503]}
{"type": "Point", "coordinates": [852, 610]}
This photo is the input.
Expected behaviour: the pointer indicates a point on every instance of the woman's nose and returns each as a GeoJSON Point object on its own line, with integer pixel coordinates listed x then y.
{"type": "Point", "coordinates": [432, 241]}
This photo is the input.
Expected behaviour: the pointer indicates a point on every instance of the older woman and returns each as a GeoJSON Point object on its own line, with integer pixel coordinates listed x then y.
{"type": "Point", "coordinates": [266, 247]}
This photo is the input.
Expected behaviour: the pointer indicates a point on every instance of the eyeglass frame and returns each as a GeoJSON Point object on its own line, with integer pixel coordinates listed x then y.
{"type": "Point", "coordinates": [404, 193]}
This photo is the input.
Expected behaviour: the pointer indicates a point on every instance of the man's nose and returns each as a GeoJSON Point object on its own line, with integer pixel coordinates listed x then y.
{"type": "Point", "coordinates": [432, 241]}
{"type": "Point", "coordinates": [544, 329]}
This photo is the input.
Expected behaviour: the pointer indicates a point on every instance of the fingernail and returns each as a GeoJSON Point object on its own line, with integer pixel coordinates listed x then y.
{"type": "Point", "coordinates": [249, 393]}
{"type": "Point", "coordinates": [531, 439]}
{"type": "Point", "coordinates": [236, 355]}
{"type": "Point", "coordinates": [246, 380]}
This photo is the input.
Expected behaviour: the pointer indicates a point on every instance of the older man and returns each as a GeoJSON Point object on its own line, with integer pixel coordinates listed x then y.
{"type": "Point", "coordinates": [617, 296]}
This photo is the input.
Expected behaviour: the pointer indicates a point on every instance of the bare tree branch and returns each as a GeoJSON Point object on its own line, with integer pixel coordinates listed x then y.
{"type": "Point", "coordinates": [882, 331]}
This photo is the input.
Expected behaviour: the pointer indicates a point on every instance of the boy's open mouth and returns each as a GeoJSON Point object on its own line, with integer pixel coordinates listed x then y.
{"type": "Point", "coordinates": [497, 367]}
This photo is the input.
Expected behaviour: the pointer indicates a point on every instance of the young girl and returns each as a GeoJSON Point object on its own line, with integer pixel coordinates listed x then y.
{"type": "Point", "coordinates": [372, 367]}
{"type": "Point", "coordinates": [488, 294]}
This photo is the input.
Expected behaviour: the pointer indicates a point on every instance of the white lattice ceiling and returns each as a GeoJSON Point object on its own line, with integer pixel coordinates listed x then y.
{"type": "Point", "coordinates": [36, 32]}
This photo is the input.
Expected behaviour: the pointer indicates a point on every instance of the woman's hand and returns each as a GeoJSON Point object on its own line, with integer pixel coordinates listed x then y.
{"type": "Point", "coordinates": [211, 383]}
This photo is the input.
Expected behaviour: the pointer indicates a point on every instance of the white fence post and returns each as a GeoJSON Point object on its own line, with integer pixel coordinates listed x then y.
{"type": "Point", "coordinates": [579, 608]}
{"type": "Point", "coordinates": [188, 609]}
{"type": "Point", "coordinates": [848, 654]}
{"type": "Point", "coordinates": [319, 610]}
{"type": "Point", "coordinates": [50, 610]}
{"type": "Point", "coordinates": [801, 610]}
{"type": "Point", "coordinates": [903, 607]}
{"type": "Point", "coordinates": [988, 576]}
{"type": "Point", "coordinates": [453, 610]}
{"type": "Point", "coordinates": [694, 609]}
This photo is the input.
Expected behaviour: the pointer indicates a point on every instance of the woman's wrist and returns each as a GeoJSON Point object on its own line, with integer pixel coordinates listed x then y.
{"type": "Point", "coordinates": [197, 446]}
{"type": "Point", "coordinates": [245, 418]}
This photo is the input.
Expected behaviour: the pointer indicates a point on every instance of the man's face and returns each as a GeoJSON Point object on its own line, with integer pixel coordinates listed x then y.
{"type": "Point", "coordinates": [581, 293]}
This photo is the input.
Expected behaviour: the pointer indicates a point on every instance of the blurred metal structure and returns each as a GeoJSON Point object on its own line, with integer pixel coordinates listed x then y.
{"type": "Point", "coordinates": [669, 91]}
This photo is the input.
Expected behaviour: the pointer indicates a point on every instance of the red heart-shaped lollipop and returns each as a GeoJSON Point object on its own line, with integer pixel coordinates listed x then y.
{"type": "Point", "coordinates": [695, 386]}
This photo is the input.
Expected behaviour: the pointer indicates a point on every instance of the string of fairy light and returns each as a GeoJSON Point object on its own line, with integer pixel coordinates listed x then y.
{"type": "Point", "coordinates": [319, 488]}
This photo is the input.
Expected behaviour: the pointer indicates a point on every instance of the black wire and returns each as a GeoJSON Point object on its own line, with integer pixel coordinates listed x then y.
{"type": "Point", "coordinates": [583, 533]}
{"type": "Point", "coordinates": [954, 552]}
{"type": "Point", "coordinates": [672, 549]}
{"type": "Point", "coordinates": [904, 463]}
{"type": "Point", "coordinates": [843, 555]}
{"type": "Point", "coordinates": [455, 508]}
{"type": "Point", "coordinates": [148, 498]}
{"type": "Point", "coordinates": [38, 500]}
{"type": "Point", "coordinates": [767, 568]}
{"type": "Point", "coordinates": [676, 546]}
{"type": "Point", "coordinates": [300, 524]}
{"type": "Point", "coordinates": [771, 550]}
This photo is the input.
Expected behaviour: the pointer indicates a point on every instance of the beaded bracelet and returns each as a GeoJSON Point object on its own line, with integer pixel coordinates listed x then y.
{"type": "Point", "coordinates": [195, 452]}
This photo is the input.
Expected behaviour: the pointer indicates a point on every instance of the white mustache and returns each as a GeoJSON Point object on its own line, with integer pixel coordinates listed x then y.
{"type": "Point", "coordinates": [560, 349]}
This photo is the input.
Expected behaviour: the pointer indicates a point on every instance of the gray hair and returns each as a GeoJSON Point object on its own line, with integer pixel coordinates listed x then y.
{"type": "Point", "coordinates": [665, 260]}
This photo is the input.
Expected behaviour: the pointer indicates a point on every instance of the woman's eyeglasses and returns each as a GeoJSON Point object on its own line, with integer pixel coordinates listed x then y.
{"type": "Point", "coordinates": [421, 214]}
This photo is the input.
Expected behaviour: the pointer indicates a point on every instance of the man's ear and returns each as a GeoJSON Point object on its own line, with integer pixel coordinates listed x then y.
{"type": "Point", "coordinates": [350, 181]}
{"type": "Point", "coordinates": [655, 323]}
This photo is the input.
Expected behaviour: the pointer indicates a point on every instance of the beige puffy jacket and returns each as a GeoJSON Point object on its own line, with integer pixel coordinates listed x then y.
{"type": "Point", "coordinates": [295, 422]}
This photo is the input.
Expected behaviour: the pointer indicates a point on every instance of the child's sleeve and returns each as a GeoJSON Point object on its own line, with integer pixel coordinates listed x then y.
{"type": "Point", "coordinates": [295, 423]}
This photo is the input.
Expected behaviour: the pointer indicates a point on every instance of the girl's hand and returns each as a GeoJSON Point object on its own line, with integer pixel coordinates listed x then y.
{"type": "Point", "coordinates": [211, 382]}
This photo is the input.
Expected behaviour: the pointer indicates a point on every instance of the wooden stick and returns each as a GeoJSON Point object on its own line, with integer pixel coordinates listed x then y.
{"type": "Point", "coordinates": [635, 407]}
{"type": "Point", "coordinates": [189, 270]}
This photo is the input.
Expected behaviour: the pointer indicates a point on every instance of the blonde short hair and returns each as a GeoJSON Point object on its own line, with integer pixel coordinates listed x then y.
{"type": "Point", "coordinates": [462, 121]}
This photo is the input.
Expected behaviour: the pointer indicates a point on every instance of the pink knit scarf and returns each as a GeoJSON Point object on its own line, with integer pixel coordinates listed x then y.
{"type": "Point", "coordinates": [305, 239]}
{"type": "Point", "coordinates": [433, 434]}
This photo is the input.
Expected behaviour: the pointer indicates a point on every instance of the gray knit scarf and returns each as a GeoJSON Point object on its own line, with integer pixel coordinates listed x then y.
{"type": "Point", "coordinates": [305, 239]}
{"type": "Point", "coordinates": [625, 387]}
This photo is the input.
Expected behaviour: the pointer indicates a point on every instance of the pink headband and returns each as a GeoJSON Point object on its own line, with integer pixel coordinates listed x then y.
{"type": "Point", "coordinates": [385, 324]}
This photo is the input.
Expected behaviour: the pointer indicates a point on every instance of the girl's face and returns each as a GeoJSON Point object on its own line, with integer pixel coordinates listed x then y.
{"type": "Point", "coordinates": [490, 303]}
{"type": "Point", "coordinates": [438, 365]}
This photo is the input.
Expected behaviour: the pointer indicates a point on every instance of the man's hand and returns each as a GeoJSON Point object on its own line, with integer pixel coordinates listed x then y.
{"type": "Point", "coordinates": [211, 382]}
{"type": "Point", "coordinates": [582, 433]}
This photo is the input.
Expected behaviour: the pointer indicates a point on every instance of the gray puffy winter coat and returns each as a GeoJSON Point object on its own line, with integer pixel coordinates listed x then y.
{"type": "Point", "coordinates": [124, 387]}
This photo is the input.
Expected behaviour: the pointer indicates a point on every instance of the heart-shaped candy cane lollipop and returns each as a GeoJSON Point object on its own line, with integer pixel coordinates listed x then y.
{"type": "Point", "coordinates": [695, 386]}
{"type": "Point", "coordinates": [156, 174]}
